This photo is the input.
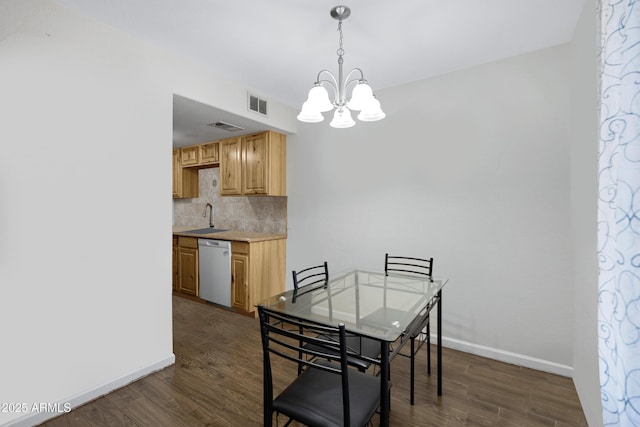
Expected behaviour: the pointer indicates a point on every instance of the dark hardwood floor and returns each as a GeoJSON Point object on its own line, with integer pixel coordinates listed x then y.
{"type": "Point", "coordinates": [217, 381]}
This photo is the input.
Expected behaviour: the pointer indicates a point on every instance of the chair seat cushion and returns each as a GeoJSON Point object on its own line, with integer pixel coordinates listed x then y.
{"type": "Point", "coordinates": [315, 398]}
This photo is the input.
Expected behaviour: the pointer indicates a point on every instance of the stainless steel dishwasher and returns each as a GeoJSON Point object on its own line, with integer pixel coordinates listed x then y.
{"type": "Point", "coordinates": [214, 257]}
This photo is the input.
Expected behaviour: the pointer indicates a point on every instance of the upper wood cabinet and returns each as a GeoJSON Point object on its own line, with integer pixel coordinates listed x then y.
{"type": "Point", "coordinates": [254, 165]}
{"type": "Point", "coordinates": [185, 181]}
{"type": "Point", "coordinates": [249, 165]}
{"type": "Point", "coordinates": [231, 166]}
{"type": "Point", "coordinates": [190, 156]}
{"type": "Point", "coordinates": [186, 162]}
{"type": "Point", "coordinates": [177, 173]}
{"type": "Point", "coordinates": [200, 155]}
{"type": "Point", "coordinates": [208, 153]}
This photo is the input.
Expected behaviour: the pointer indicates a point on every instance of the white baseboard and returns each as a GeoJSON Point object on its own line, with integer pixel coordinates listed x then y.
{"type": "Point", "coordinates": [506, 356]}
{"type": "Point", "coordinates": [38, 417]}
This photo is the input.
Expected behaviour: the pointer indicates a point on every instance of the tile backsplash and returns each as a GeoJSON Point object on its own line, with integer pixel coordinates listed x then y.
{"type": "Point", "coordinates": [263, 214]}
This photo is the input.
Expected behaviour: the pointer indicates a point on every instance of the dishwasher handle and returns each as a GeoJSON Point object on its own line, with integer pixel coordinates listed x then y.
{"type": "Point", "coordinates": [209, 243]}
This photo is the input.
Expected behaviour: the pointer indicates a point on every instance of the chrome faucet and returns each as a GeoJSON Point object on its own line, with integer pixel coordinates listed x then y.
{"type": "Point", "coordinates": [210, 206]}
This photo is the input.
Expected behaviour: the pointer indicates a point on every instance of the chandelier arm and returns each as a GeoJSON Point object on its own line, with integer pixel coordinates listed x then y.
{"type": "Point", "coordinates": [333, 80]}
{"type": "Point", "coordinates": [333, 83]}
{"type": "Point", "coordinates": [349, 82]}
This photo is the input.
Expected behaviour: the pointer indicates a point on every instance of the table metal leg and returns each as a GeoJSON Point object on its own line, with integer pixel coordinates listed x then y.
{"type": "Point", "coordinates": [385, 390]}
{"type": "Point", "coordinates": [413, 367]}
{"type": "Point", "coordinates": [440, 343]}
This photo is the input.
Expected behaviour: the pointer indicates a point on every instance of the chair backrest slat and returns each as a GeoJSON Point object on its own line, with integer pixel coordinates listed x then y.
{"type": "Point", "coordinates": [411, 265]}
{"type": "Point", "coordinates": [311, 277]}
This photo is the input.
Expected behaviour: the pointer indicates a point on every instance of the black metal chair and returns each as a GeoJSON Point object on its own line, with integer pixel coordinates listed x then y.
{"type": "Point", "coordinates": [316, 277]}
{"type": "Point", "coordinates": [327, 392]}
{"type": "Point", "coordinates": [420, 267]}
{"type": "Point", "coordinates": [310, 278]}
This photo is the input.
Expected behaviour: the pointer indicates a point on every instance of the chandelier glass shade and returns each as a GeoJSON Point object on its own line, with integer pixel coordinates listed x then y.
{"type": "Point", "coordinates": [362, 97]}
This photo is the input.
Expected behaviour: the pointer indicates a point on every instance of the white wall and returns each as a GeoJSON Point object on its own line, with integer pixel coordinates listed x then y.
{"type": "Point", "coordinates": [584, 189]}
{"type": "Point", "coordinates": [85, 203]}
{"type": "Point", "coordinates": [471, 168]}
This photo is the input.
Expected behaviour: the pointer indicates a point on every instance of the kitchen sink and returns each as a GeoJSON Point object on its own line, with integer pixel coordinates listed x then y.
{"type": "Point", "coordinates": [205, 230]}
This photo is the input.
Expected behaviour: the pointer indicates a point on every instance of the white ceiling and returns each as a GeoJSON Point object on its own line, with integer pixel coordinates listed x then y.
{"type": "Point", "coordinates": [277, 47]}
{"type": "Point", "coordinates": [191, 120]}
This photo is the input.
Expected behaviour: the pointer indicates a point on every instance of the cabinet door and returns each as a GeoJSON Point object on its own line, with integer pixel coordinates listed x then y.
{"type": "Point", "coordinates": [230, 166]}
{"type": "Point", "coordinates": [177, 174]}
{"type": "Point", "coordinates": [240, 281]}
{"type": "Point", "coordinates": [175, 279]}
{"type": "Point", "coordinates": [190, 155]}
{"type": "Point", "coordinates": [188, 268]}
{"type": "Point", "coordinates": [255, 163]}
{"type": "Point", "coordinates": [209, 153]}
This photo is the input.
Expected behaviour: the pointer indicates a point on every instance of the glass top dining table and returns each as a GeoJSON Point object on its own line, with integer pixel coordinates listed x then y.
{"type": "Point", "coordinates": [368, 302]}
{"type": "Point", "coordinates": [389, 308]}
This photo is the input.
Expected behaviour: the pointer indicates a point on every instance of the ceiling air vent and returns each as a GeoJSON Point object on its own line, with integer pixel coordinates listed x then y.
{"type": "Point", "coordinates": [225, 126]}
{"type": "Point", "coordinates": [257, 104]}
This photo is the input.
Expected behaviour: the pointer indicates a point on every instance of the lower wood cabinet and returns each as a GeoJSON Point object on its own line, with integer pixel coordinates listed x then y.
{"type": "Point", "coordinates": [240, 275]}
{"type": "Point", "coordinates": [257, 273]}
{"type": "Point", "coordinates": [174, 269]}
{"type": "Point", "coordinates": [188, 269]}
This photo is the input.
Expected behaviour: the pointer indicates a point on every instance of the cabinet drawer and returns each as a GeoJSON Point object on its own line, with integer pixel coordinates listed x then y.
{"type": "Point", "coordinates": [239, 247]}
{"type": "Point", "coordinates": [188, 242]}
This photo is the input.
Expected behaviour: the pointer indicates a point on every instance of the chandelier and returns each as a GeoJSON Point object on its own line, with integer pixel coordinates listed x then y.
{"type": "Point", "coordinates": [362, 98]}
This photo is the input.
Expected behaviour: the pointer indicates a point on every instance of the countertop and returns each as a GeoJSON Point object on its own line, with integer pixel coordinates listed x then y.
{"type": "Point", "coordinates": [238, 236]}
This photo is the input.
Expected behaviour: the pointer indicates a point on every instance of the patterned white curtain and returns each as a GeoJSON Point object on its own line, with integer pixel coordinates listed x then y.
{"type": "Point", "coordinates": [619, 213]}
